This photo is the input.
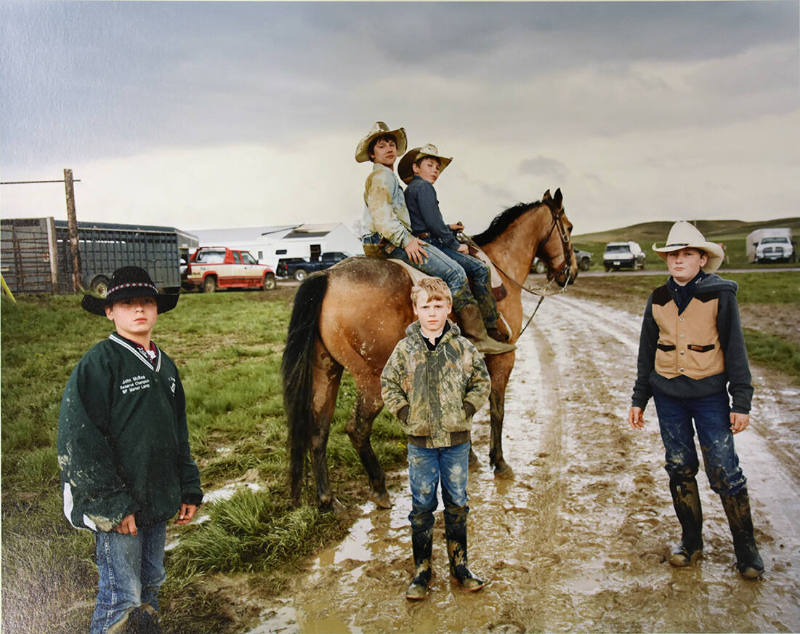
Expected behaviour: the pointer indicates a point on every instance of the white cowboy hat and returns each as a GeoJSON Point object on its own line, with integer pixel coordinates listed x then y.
{"type": "Point", "coordinates": [379, 129]}
{"type": "Point", "coordinates": [405, 166]}
{"type": "Point", "coordinates": [683, 235]}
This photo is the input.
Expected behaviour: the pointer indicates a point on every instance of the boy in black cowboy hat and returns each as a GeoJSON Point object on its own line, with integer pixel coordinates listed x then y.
{"type": "Point", "coordinates": [123, 450]}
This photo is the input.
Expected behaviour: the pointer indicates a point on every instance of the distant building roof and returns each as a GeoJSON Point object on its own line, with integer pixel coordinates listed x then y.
{"type": "Point", "coordinates": [247, 234]}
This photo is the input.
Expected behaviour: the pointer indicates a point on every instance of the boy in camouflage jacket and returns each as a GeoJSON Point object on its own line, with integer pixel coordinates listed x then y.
{"type": "Point", "coordinates": [434, 382]}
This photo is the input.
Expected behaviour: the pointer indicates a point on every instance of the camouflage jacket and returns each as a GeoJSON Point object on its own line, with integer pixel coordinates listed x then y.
{"type": "Point", "coordinates": [385, 210]}
{"type": "Point", "coordinates": [435, 384]}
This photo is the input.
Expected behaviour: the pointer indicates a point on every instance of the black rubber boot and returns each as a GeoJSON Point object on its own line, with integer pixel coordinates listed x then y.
{"type": "Point", "coordinates": [422, 545]}
{"type": "Point", "coordinates": [455, 527]}
{"type": "Point", "coordinates": [686, 500]}
{"type": "Point", "coordinates": [737, 508]}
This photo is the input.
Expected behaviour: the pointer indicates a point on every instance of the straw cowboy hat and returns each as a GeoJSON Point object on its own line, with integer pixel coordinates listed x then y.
{"type": "Point", "coordinates": [379, 129]}
{"type": "Point", "coordinates": [683, 235]}
{"type": "Point", "coordinates": [126, 283]}
{"type": "Point", "coordinates": [405, 166]}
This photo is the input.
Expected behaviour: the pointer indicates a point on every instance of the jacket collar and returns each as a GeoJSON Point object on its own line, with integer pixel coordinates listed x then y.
{"type": "Point", "coordinates": [136, 351]}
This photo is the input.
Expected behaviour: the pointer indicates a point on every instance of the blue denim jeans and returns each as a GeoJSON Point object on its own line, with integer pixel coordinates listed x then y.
{"type": "Point", "coordinates": [479, 274]}
{"type": "Point", "coordinates": [711, 415]}
{"type": "Point", "coordinates": [426, 468]}
{"type": "Point", "coordinates": [437, 264]}
{"type": "Point", "coordinates": [131, 571]}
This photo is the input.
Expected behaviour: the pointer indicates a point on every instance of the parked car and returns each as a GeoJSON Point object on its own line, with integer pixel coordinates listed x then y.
{"type": "Point", "coordinates": [211, 268]}
{"type": "Point", "coordinates": [300, 268]}
{"type": "Point", "coordinates": [623, 255]}
{"type": "Point", "coordinates": [583, 258]}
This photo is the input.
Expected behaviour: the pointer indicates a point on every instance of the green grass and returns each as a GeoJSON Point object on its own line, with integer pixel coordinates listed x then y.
{"type": "Point", "coordinates": [228, 348]}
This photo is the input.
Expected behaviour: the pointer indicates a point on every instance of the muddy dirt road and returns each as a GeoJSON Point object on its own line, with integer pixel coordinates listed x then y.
{"type": "Point", "coordinates": [577, 539]}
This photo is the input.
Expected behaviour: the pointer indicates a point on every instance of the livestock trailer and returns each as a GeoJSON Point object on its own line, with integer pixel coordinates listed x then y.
{"type": "Point", "coordinates": [36, 255]}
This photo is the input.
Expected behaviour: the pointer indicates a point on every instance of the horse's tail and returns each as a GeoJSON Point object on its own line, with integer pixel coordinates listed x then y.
{"type": "Point", "coordinates": [297, 372]}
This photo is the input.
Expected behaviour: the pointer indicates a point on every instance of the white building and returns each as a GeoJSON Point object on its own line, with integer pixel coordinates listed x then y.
{"type": "Point", "coordinates": [269, 244]}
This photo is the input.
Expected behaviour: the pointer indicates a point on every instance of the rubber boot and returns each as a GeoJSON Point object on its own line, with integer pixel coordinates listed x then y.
{"type": "Point", "coordinates": [422, 545]}
{"type": "Point", "coordinates": [686, 500]}
{"type": "Point", "coordinates": [474, 329]}
{"type": "Point", "coordinates": [737, 508]}
{"type": "Point", "coordinates": [456, 533]}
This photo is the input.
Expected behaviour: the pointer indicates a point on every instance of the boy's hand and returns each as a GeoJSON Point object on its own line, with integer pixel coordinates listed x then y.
{"type": "Point", "coordinates": [457, 226]}
{"type": "Point", "coordinates": [463, 248]}
{"type": "Point", "coordinates": [415, 251]}
{"type": "Point", "coordinates": [186, 514]}
{"type": "Point", "coordinates": [636, 417]}
{"type": "Point", "coordinates": [739, 422]}
{"type": "Point", "coordinates": [127, 526]}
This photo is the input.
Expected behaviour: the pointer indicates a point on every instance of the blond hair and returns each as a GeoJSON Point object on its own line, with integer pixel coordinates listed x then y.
{"type": "Point", "coordinates": [434, 287]}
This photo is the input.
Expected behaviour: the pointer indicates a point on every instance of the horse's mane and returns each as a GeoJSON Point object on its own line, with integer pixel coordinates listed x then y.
{"type": "Point", "coordinates": [502, 221]}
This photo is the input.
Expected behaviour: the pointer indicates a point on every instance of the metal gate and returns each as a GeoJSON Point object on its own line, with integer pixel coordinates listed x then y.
{"type": "Point", "coordinates": [28, 254]}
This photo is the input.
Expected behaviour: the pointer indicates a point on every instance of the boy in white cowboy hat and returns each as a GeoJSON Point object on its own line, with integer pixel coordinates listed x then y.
{"type": "Point", "coordinates": [123, 450]}
{"type": "Point", "coordinates": [388, 228]}
{"type": "Point", "coordinates": [420, 168]}
{"type": "Point", "coordinates": [692, 355]}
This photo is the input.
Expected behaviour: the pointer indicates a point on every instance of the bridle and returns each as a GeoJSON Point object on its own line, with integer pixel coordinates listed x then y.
{"type": "Point", "coordinates": [558, 223]}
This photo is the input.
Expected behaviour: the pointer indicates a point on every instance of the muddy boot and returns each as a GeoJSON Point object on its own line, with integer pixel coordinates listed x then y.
{"type": "Point", "coordinates": [474, 329]}
{"type": "Point", "coordinates": [456, 533]}
{"type": "Point", "coordinates": [737, 508]}
{"type": "Point", "coordinates": [686, 500]}
{"type": "Point", "coordinates": [422, 544]}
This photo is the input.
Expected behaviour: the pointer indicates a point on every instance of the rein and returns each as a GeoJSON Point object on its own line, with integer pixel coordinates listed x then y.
{"type": "Point", "coordinates": [543, 292]}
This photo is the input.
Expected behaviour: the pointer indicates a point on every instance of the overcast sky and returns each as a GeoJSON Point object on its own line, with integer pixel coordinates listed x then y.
{"type": "Point", "coordinates": [211, 115]}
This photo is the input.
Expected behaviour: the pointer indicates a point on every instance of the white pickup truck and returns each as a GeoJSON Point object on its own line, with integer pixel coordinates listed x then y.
{"type": "Point", "coordinates": [770, 245]}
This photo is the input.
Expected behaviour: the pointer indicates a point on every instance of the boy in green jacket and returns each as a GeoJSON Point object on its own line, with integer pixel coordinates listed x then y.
{"type": "Point", "coordinates": [434, 382]}
{"type": "Point", "coordinates": [123, 450]}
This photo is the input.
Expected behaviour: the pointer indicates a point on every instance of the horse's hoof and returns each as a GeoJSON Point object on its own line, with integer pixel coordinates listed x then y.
{"type": "Point", "coordinates": [381, 500]}
{"type": "Point", "coordinates": [332, 505]}
{"type": "Point", "coordinates": [502, 470]}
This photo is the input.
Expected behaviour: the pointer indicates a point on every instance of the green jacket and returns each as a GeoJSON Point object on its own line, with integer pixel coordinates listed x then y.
{"type": "Point", "coordinates": [435, 385]}
{"type": "Point", "coordinates": [123, 444]}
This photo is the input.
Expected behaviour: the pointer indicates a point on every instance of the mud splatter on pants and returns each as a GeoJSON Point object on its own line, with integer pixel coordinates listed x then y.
{"type": "Point", "coordinates": [428, 467]}
{"type": "Point", "coordinates": [711, 416]}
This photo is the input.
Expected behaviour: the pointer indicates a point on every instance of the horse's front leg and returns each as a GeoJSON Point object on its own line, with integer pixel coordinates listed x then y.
{"type": "Point", "coordinates": [368, 405]}
{"type": "Point", "coordinates": [499, 370]}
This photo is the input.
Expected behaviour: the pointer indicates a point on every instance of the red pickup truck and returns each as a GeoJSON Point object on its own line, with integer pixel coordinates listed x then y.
{"type": "Point", "coordinates": [211, 268]}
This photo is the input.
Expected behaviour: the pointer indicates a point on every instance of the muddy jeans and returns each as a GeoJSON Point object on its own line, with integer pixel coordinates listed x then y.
{"type": "Point", "coordinates": [131, 571]}
{"type": "Point", "coordinates": [426, 467]}
{"type": "Point", "coordinates": [436, 264]}
{"type": "Point", "coordinates": [711, 415]}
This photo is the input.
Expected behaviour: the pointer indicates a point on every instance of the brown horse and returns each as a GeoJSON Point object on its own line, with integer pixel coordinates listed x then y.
{"type": "Point", "coordinates": [352, 315]}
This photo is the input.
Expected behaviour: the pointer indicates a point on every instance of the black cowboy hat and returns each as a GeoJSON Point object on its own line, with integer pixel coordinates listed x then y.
{"type": "Point", "coordinates": [128, 282]}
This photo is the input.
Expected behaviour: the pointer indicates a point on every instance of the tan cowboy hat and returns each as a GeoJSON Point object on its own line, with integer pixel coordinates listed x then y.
{"type": "Point", "coordinates": [405, 169]}
{"type": "Point", "coordinates": [683, 235]}
{"type": "Point", "coordinates": [379, 129]}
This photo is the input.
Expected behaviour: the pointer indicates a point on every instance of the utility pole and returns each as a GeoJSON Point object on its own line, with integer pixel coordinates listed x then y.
{"type": "Point", "coordinates": [72, 225]}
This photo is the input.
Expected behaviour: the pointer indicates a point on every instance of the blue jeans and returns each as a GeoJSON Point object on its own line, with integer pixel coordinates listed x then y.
{"type": "Point", "coordinates": [426, 467]}
{"type": "Point", "coordinates": [131, 571]}
{"type": "Point", "coordinates": [479, 274]}
{"type": "Point", "coordinates": [437, 264]}
{"type": "Point", "coordinates": [711, 415]}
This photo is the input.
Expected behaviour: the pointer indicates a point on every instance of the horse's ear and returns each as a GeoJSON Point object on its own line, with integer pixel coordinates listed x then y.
{"type": "Point", "coordinates": [546, 195]}
{"type": "Point", "coordinates": [558, 197]}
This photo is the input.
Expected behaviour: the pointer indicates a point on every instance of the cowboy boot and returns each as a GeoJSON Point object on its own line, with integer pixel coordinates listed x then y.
{"type": "Point", "coordinates": [455, 527]}
{"type": "Point", "coordinates": [737, 508]}
{"type": "Point", "coordinates": [422, 545]}
{"type": "Point", "coordinates": [686, 500]}
{"type": "Point", "coordinates": [474, 329]}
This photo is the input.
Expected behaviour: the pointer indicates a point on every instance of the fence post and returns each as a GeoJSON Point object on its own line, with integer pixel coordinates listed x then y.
{"type": "Point", "coordinates": [72, 224]}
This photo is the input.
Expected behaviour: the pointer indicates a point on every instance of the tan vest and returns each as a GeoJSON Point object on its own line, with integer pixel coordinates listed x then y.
{"type": "Point", "coordinates": [688, 344]}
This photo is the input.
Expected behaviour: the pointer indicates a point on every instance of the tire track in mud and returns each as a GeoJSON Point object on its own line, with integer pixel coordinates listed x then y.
{"type": "Point", "coordinates": [577, 540]}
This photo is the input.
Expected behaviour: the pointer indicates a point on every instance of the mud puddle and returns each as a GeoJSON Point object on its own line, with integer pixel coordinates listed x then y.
{"type": "Point", "coordinates": [577, 540]}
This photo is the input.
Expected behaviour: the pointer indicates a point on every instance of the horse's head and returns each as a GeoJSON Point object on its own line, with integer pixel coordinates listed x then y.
{"type": "Point", "coordinates": [555, 247]}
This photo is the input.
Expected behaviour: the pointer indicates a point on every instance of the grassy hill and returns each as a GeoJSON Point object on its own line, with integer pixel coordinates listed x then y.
{"type": "Point", "coordinates": [731, 233]}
